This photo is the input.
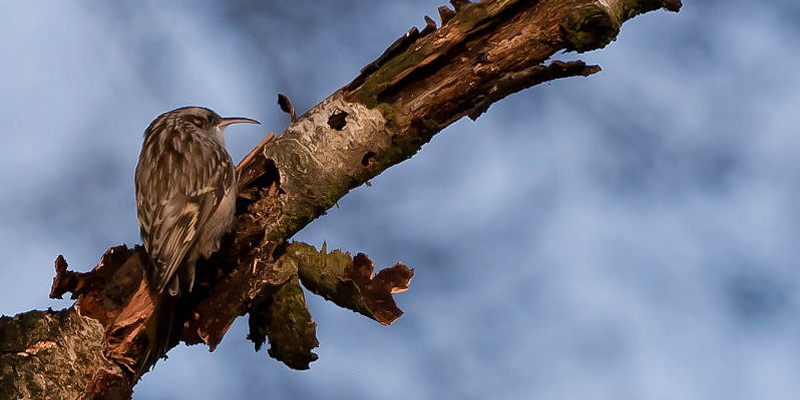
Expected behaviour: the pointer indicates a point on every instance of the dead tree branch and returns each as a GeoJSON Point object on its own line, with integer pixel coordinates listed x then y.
{"type": "Point", "coordinates": [423, 82]}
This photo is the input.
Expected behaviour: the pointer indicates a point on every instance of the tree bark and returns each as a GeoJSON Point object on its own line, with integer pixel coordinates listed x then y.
{"type": "Point", "coordinates": [426, 80]}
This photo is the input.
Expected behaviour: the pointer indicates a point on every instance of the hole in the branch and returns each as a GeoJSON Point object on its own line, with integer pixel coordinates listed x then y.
{"type": "Point", "coordinates": [272, 175]}
{"type": "Point", "coordinates": [268, 179]}
{"type": "Point", "coordinates": [367, 157]}
{"type": "Point", "coordinates": [338, 120]}
{"type": "Point", "coordinates": [279, 250]}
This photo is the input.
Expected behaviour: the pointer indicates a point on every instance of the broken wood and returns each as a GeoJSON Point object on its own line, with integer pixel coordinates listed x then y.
{"type": "Point", "coordinates": [423, 82]}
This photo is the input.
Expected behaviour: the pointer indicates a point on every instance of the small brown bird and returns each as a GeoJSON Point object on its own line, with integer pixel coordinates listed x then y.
{"type": "Point", "coordinates": [185, 200]}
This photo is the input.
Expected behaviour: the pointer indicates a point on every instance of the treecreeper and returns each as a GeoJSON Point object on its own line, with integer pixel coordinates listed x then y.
{"type": "Point", "coordinates": [186, 202]}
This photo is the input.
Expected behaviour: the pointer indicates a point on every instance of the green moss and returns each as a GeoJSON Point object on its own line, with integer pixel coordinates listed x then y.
{"type": "Point", "coordinates": [291, 330]}
{"type": "Point", "coordinates": [389, 112]}
{"type": "Point", "coordinates": [292, 223]}
{"type": "Point", "coordinates": [375, 83]}
{"type": "Point", "coordinates": [426, 128]}
{"type": "Point", "coordinates": [632, 8]}
{"type": "Point", "coordinates": [589, 28]}
{"type": "Point", "coordinates": [410, 58]}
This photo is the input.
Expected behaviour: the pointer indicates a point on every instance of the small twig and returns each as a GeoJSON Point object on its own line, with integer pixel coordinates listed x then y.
{"type": "Point", "coordinates": [286, 106]}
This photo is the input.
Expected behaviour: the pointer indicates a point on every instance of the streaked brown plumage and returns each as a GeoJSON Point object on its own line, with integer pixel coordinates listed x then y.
{"type": "Point", "coordinates": [185, 200]}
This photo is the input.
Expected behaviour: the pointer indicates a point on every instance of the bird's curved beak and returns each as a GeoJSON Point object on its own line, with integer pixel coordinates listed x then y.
{"type": "Point", "coordinates": [237, 120]}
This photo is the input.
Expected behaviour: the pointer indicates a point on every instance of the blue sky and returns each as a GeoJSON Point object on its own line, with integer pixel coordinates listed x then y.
{"type": "Point", "coordinates": [632, 235]}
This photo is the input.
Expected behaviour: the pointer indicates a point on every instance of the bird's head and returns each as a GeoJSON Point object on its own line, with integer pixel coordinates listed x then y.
{"type": "Point", "coordinates": [198, 119]}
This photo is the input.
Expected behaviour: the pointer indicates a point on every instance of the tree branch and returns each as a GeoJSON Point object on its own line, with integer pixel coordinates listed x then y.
{"type": "Point", "coordinates": [423, 82]}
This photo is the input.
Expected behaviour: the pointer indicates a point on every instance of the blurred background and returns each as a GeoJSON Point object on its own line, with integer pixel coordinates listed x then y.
{"type": "Point", "coordinates": [632, 235]}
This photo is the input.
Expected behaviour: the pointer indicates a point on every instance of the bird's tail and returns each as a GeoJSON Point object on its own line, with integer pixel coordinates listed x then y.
{"type": "Point", "coordinates": [160, 332]}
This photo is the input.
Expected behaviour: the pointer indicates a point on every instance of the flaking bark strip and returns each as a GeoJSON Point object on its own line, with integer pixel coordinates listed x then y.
{"type": "Point", "coordinates": [351, 282]}
{"type": "Point", "coordinates": [289, 327]}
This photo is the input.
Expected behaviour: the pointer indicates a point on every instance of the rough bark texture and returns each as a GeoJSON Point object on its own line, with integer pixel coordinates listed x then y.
{"type": "Point", "coordinates": [423, 82]}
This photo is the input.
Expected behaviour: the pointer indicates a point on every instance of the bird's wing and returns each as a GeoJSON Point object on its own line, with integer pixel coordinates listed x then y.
{"type": "Point", "coordinates": [194, 187]}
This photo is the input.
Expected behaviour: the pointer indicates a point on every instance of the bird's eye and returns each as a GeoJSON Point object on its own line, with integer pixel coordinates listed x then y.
{"type": "Point", "coordinates": [210, 119]}
{"type": "Point", "coordinates": [197, 121]}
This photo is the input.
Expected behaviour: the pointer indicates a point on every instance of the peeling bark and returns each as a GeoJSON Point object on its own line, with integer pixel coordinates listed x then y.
{"type": "Point", "coordinates": [423, 82]}
{"type": "Point", "coordinates": [351, 282]}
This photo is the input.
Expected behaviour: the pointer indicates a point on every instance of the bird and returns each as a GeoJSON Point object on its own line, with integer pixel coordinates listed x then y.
{"type": "Point", "coordinates": [186, 190]}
